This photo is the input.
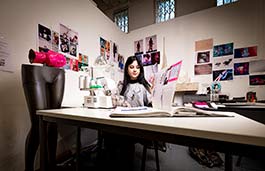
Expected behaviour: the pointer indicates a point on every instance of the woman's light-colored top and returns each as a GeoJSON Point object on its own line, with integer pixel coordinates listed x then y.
{"type": "Point", "coordinates": [137, 95]}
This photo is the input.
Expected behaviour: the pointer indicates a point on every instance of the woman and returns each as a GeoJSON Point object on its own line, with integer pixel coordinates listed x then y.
{"type": "Point", "coordinates": [136, 90]}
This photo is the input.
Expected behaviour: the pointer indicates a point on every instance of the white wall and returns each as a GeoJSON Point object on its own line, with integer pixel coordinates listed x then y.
{"type": "Point", "coordinates": [241, 23]}
{"type": "Point", "coordinates": [19, 21]}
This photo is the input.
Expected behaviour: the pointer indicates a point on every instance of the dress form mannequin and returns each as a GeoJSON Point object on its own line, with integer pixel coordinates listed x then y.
{"type": "Point", "coordinates": [43, 89]}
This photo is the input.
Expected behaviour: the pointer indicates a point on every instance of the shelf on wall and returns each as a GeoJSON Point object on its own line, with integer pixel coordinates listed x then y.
{"type": "Point", "coordinates": [187, 87]}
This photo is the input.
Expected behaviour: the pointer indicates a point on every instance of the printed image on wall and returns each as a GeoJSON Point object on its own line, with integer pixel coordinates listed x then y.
{"type": "Point", "coordinates": [138, 47]}
{"type": "Point", "coordinates": [120, 62]}
{"type": "Point", "coordinates": [82, 62]}
{"type": "Point", "coordinates": [44, 35]}
{"type": "Point", "coordinates": [257, 80]}
{"type": "Point", "coordinates": [105, 48]}
{"type": "Point", "coordinates": [55, 41]}
{"type": "Point", "coordinates": [203, 44]}
{"type": "Point", "coordinates": [155, 58]}
{"type": "Point", "coordinates": [241, 68]}
{"type": "Point", "coordinates": [147, 60]}
{"type": "Point", "coordinates": [223, 63]}
{"type": "Point", "coordinates": [246, 52]}
{"type": "Point", "coordinates": [223, 50]}
{"type": "Point", "coordinates": [74, 64]}
{"type": "Point", "coordinates": [151, 44]}
{"type": "Point", "coordinates": [203, 69]}
{"type": "Point", "coordinates": [203, 57]}
{"type": "Point", "coordinates": [257, 66]}
{"type": "Point", "coordinates": [223, 75]}
{"type": "Point", "coordinates": [68, 41]}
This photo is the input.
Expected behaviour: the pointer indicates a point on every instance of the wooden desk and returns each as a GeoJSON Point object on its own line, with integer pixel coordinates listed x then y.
{"type": "Point", "coordinates": [231, 135]}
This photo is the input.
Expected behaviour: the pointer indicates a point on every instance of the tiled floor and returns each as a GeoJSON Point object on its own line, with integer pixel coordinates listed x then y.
{"type": "Point", "coordinates": [176, 158]}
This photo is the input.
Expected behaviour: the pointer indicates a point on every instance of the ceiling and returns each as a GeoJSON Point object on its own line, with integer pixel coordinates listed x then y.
{"type": "Point", "coordinates": [109, 4]}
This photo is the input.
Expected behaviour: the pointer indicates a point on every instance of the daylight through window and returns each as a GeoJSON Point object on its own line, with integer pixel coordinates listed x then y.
{"type": "Point", "coordinates": [223, 2]}
{"type": "Point", "coordinates": [165, 10]}
{"type": "Point", "coordinates": [121, 19]}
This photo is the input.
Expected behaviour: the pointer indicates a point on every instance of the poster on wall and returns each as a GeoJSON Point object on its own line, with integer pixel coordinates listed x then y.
{"type": "Point", "coordinates": [201, 45]}
{"type": "Point", "coordinates": [83, 62]}
{"type": "Point", "coordinates": [138, 47]}
{"type": "Point", "coordinates": [223, 50]}
{"type": "Point", "coordinates": [150, 44]}
{"type": "Point", "coordinates": [105, 49]}
{"type": "Point", "coordinates": [203, 69]}
{"type": "Point", "coordinates": [155, 58]}
{"type": "Point", "coordinates": [203, 57]}
{"type": "Point", "coordinates": [224, 62]}
{"type": "Point", "coordinates": [4, 54]}
{"type": "Point", "coordinates": [55, 41]}
{"type": "Point", "coordinates": [257, 79]}
{"type": "Point", "coordinates": [68, 41]}
{"type": "Point", "coordinates": [115, 52]}
{"type": "Point", "coordinates": [223, 75]}
{"type": "Point", "coordinates": [147, 60]}
{"type": "Point", "coordinates": [257, 66]}
{"type": "Point", "coordinates": [241, 68]}
{"type": "Point", "coordinates": [44, 38]}
{"type": "Point", "coordinates": [246, 52]}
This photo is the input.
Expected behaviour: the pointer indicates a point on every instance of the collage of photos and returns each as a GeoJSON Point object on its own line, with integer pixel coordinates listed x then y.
{"type": "Point", "coordinates": [68, 41]}
{"type": "Point", "coordinates": [203, 64]}
{"type": "Point", "coordinates": [226, 62]}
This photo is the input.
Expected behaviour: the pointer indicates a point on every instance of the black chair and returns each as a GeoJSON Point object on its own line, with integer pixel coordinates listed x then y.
{"type": "Point", "coordinates": [146, 145]}
{"type": "Point", "coordinates": [43, 89]}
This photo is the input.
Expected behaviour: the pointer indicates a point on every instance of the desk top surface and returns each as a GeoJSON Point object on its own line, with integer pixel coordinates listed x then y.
{"type": "Point", "coordinates": [237, 129]}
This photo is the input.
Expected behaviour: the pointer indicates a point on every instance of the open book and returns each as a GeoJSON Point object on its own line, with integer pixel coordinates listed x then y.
{"type": "Point", "coordinates": [176, 112]}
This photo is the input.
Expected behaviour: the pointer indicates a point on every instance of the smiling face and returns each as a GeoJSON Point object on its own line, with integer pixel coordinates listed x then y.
{"type": "Point", "coordinates": [134, 70]}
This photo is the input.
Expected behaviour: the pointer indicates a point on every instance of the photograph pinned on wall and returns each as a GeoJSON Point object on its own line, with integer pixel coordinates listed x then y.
{"type": "Point", "coordinates": [120, 62]}
{"type": "Point", "coordinates": [105, 49]}
{"type": "Point", "coordinates": [155, 58]}
{"type": "Point", "coordinates": [55, 41]}
{"type": "Point", "coordinates": [82, 62]}
{"type": "Point", "coordinates": [74, 64]}
{"type": "Point", "coordinates": [201, 45]}
{"type": "Point", "coordinates": [223, 50]}
{"type": "Point", "coordinates": [67, 65]}
{"type": "Point", "coordinates": [223, 75]}
{"type": "Point", "coordinates": [151, 44]}
{"type": "Point", "coordinates": [203, 69]}
{"type": "Point", "coordinates": [68, 41]}
{"type": "Point", "coordinates": [225, 62]}
{"type": "Point", "coordinates": [203, 57]}
{"type": "Point", "coordinates": [241, 68]}
{"type": "Point", "coordinates": [147, 60]}
{"type": "Point", "coordinates": [138, 47]}
{"type": "Point", "coordinates": [140, 57]}
{"type": "Point", "coordinates": [257, 66]}
{"type": "Point", "coordinates": [44, 36]}
{"type": "Point", "coordinates": [115, 52]}
{"type": "Point", "coordinates": [64, 42]}
{"type": "Point", "coordinates": [257, 79]}
{"type": "Point", "coordinates": [246, 52]}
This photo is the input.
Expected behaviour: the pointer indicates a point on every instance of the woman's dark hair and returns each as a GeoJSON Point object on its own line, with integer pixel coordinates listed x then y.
{"type": "Point", "coordinates": [140, 79]}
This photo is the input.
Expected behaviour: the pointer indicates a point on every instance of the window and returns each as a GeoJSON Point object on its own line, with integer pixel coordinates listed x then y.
{"type": "Point", "coordinates": [165, 10]}
{"type": "Point", "coordinates": [121, 19]}
{"type": "Point", "coordinates": [223, 2]}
